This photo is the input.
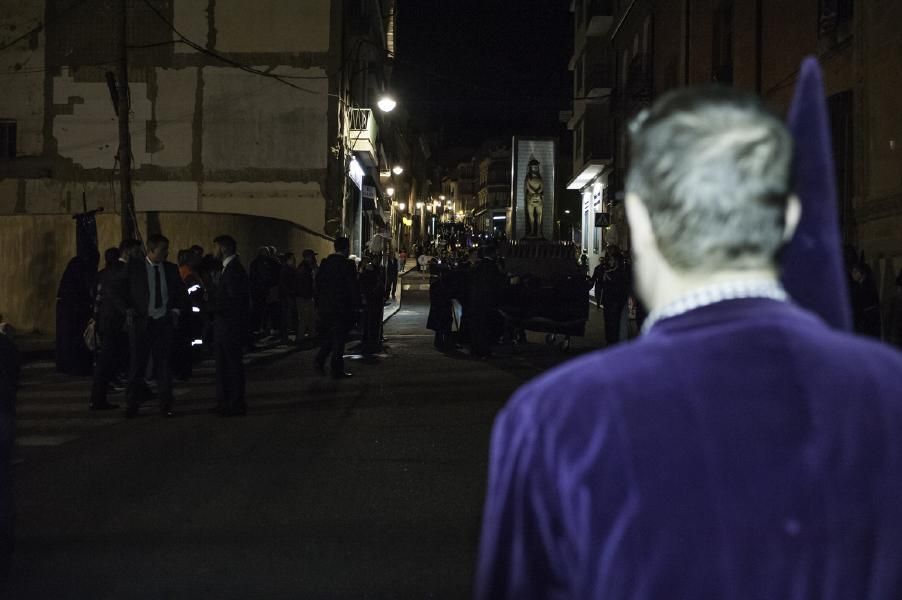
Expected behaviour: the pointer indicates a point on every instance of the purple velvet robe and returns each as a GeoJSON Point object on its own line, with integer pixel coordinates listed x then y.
{"type": "Point", "coordinates": [744, 450]}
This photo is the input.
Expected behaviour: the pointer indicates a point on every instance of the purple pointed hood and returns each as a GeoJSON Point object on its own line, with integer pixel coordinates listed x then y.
{"type": "Point", "coordinates": [813, 271]}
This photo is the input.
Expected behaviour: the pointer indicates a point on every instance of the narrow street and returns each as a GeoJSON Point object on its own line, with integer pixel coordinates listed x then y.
{"type": "Point", "coordinates": [365, 488]}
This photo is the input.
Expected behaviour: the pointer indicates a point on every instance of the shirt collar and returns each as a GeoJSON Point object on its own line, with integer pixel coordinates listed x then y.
{"type": "Point", "coordinates": [713, 294]}
{"type": "Point", "coordinates": [226, 261]}
{"type": "Point", "coordinates": [151, 263]}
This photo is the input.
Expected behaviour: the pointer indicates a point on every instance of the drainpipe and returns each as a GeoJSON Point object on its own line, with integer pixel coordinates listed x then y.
{"type": "Point", "coordinates": [759, 47]}
{"type": "Point", "coordinates": [688, 18]}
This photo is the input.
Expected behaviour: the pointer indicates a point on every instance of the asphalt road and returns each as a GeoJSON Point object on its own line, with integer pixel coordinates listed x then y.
{"type": "Point", "coordinates": [365, 488]}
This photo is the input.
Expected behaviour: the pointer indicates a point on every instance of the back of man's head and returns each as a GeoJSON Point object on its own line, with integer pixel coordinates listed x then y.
{"type": "Point", "coordinates": [712, 167]}
{"type": "Point", "coordinates": [155, 241]}
{"type": "Point", "coordinates": [227, 243]}
{"type": "Point", "coordinates": [342, 245]}
{"type": "Point", "coordinates": [111, 256]}
{"type": "Point", "coordinates": [129, 249]}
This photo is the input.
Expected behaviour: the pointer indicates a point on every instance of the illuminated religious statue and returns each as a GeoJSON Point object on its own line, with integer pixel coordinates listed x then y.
{"type": "Point", "coordinates": [534, 199]}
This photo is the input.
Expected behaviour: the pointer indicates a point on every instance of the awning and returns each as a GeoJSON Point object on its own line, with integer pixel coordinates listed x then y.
{"type": "Point", "coordinates": [590, 171]}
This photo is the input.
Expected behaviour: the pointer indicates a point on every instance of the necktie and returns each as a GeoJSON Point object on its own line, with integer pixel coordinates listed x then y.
{"type": "Point", "coordinates": [157, 288]}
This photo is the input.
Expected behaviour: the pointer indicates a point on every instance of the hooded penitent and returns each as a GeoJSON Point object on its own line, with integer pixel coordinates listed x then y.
{"type": "Point", "coordinates": [812, 262]}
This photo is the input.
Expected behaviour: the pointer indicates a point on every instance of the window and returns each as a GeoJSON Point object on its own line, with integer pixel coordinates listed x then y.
{"type": "Point", "coordinates": [7, 140]}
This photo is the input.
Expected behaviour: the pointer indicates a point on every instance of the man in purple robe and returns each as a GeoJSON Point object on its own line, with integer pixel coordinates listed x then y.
{"type": "Point", "coordinates": [744, 447]}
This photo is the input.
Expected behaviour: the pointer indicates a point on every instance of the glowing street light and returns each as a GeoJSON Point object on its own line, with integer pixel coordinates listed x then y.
{"type": "Point", "coordinates": [402, 206]}
{"type": "Point", "coordinates": [397, 169]}
{"type": "Point", "coordinates": [386, 103]}
{"type": "Point", "coordinates": [442, 198]}
{"type": "Point", "coordinates": [390, 191]}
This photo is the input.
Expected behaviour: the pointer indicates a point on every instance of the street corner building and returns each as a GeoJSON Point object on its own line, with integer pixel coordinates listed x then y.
{"type": "Point", "coordinates": [247, 117]}
{"type": "Point", "coordinates": [628, 53]}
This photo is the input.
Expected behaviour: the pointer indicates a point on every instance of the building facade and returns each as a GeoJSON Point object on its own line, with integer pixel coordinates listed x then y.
{"type": "Point", "coordinates": [756, 45]}
{"type": "Point", "coordinates": [493, 213]}
{"type": "Point", "coordinates": [591, 122]}
{"type": "Point", "coordinates": [258, 114]}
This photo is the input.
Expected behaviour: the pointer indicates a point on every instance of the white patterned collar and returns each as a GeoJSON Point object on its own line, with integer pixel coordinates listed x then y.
{"type": "Point", "coordinates": [713, 294]}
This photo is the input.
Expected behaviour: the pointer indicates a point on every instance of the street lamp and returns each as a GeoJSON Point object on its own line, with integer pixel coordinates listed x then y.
{"type": "Point", "coordinates": [402, 206]}
{"type": "Point", "coordinates": [397, 170]}
{"type": "Point", "coordinates": [386, 103]}
{"type": "Point", "coordinates": [390, 191]}
{"type": "Point", "coordinates": [442, 198]}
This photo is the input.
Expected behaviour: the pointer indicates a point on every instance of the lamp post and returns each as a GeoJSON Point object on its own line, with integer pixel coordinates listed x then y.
{"type": "Point", "coordinates": [401, 207]}
{"type": "Point", "coordinates": [421, 209]}
{"type": "Point", "coordinates": [385, 104]}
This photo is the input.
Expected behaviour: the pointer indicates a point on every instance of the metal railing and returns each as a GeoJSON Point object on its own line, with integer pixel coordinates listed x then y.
{"type": "Point", "coordinates": [363, 130]}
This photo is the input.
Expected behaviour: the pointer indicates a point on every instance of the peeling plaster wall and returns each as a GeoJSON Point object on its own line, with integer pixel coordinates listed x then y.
{"type": "Point", "coordinates": [193, 119]}
{"type": "Point", "coordinates": [89, 134]}
{"type": "Point", "coordinates": [216, 150]}
{"type": "Point", "coordinates": [277, 26]}
{"type": "Point", "coordinates": [251, 121]}
{"type": "Point", "coordinates": [173, 111]}
{"type": "Point", "coordinates": [190, 18]}
{"type": "Point", "coordinates": [21, 73]}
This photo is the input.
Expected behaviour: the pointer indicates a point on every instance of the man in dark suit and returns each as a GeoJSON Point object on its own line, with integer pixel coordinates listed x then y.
{"type": "Point", "coordinates": [337, 298]}
{"type": "Point", "coordinates": [112, 282]}
{"type": "Point", "coordinates": [231, 314]}
{"type": "Point", "coordinates": [154, 298]}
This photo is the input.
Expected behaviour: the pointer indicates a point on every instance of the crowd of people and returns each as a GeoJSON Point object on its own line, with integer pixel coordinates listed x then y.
{"type": "Point", "coordinates": [611, 285]}
{"type": "Point", "coordinates": [470, 286]}
{"type": "Point", "coordinates": [467, 288]}
{"type": "Point", "coordinates": [142, 321]}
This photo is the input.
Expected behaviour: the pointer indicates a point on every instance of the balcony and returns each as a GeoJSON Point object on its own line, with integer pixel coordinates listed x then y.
{"type": "Point", "coordinates": [593, 148]}
{"type": "Point", "coordinates": [364, 133]}
{"type": "Point", "coordinates": [600, 17]}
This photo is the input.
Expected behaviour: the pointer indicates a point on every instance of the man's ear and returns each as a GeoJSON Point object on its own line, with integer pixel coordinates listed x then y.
{"type": "Point", "coordinates": [639, 221]}
{"type": "Point", "coordinates": [792, 217]}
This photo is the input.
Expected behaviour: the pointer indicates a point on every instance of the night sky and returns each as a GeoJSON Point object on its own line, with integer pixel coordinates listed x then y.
{"type": "Point", "coordinates": [476, 69]}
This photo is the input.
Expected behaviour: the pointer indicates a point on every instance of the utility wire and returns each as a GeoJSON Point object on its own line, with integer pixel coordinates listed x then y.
{"type": "Point", "coordinates": [41, 26]}
{"type": "Point", "coordinates": [225, 59]}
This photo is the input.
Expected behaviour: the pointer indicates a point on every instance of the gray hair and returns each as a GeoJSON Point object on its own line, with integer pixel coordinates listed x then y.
{"type": "Point", "coordinates": [713, 167]}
